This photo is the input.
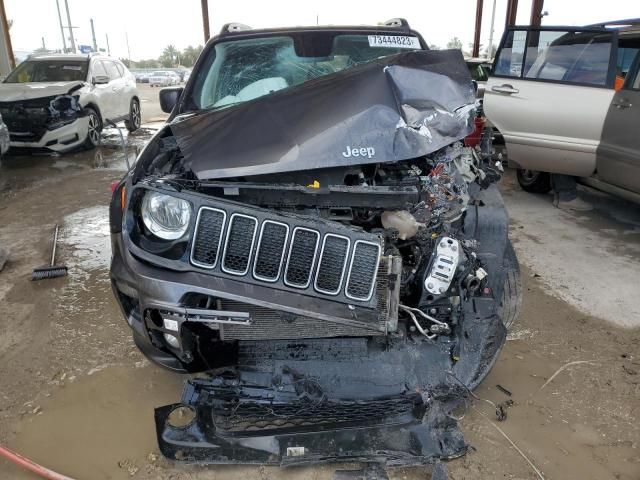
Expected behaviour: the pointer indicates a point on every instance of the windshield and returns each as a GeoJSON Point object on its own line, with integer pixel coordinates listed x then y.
{"type": "Point", "coordinates": [49, 71]}
{"type": "Point", "coordinates": [241, 70]}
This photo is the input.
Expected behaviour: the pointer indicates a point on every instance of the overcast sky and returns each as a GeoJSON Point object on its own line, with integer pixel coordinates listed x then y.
{"type": "Point", "coordinates": [153, 24]}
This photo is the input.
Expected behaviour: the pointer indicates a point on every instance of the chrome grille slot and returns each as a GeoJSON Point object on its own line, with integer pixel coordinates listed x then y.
{"type": "Point", "coordinates": [238, 247]}
{"type": "Point", "coordinates": [331, 266]}
{"type": "Point", "coordinates": [362, 270]}
{"type": "Point", "coordinates": [208, 237]}
{"type": "Point", "coordinates": [270, 251]}
{"type": "Point", "coordinates": [302, 255]}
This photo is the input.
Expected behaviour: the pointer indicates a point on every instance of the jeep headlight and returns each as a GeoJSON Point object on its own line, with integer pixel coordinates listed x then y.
{"type": "Point", "coordinates": [165, 216]}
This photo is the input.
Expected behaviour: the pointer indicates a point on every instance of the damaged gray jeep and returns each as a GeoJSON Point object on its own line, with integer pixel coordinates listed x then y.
{"type": "Point", "coordinates": [310, 234]}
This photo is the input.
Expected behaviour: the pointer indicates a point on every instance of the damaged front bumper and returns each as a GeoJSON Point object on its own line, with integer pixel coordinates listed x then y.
{"type": "Point", "coordinates": [375, 398]}
{"type": "Point", "coordinates": [62, 139]}
{"type": "Point", "coordinates": [56, 123]}
{"type": "Point", "coordinates": [325, 400]}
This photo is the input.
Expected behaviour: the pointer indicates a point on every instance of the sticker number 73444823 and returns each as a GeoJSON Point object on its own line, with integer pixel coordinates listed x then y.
{"type": "Point", "coordinates": [394, 41]}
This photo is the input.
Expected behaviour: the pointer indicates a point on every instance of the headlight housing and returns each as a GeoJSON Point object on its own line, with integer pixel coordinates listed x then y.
{"type": "Point", "coordinates": [165, 216]}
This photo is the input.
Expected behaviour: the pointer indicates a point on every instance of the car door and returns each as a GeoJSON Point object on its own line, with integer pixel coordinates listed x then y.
{"type": "Point", "coordinates": [102, 92]}
{"type": "Point", "coordinates": [129, 87]}
{"type": "Point", "coordinates": [619, 150]}
{"type": "Point", "coordinates": [548, 94]}
{"type": "Point", "coordinates": [117, 97]}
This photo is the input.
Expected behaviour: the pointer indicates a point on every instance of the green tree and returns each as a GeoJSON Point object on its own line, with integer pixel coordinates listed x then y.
{"type": "Point", "coordinates": [169, 57]}
{"type": "Point", "coordinates": [490, 52]}
{"type": "Point", "coordinates": [455, 42]}
{"type": "Point", "coordinates": [190, 55]}
{"type": "Point", "coordinates": [149, 63]}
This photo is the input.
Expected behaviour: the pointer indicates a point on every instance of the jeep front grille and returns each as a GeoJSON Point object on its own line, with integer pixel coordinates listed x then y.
{"type": "Point", "coordinates": [289, 252]}
{"type": "Point", "coordinates": [239, 244]}
{"type": "Point", "coordinates": [364, 265]}
{"type": "Point", "coordinates": [302, 255]}
{"type": "Point", "coordinates": [270, 250]}
{"type": "Point", "coordinates": [331, 266]}
{"type": "Point", "coordinates": [208, 237]}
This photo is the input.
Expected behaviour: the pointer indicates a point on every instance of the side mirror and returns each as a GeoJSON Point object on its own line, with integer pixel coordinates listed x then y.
{"type": "Point", "coordinates": [100, 79]}
{"type": "Point", "coordinates": [169, 98]}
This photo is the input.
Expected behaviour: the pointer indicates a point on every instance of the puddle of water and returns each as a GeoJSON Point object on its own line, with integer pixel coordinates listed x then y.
{"type": "Point", "coordinates": [86, 234]}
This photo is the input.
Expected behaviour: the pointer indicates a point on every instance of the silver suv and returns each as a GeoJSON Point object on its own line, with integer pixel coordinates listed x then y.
{"type": "Point", "coordinates": [567, 100]}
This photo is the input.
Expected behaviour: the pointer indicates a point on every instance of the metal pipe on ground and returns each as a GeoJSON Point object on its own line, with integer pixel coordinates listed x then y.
{"type": "Point", "coordinates": [30, 465]}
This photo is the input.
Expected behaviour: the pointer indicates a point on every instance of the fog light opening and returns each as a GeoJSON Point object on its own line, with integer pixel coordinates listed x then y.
{"type": "Point", "coordinates": [172, 340]}
{"type": "Point", "coordinates": [181, 416]}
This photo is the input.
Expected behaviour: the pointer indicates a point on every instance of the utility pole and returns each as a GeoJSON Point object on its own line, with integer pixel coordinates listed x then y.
{"type": "Point", "coordinates": [536, 13]}
{"type": "Point", "coordinates": [493, 19]}
{"type": "Point", "coordinates": [205, 19]}
{"type": "Point", "coordinates": [126, 34]}
{"type": "Point", "coordinates": [108, 48]}
{"type": "Point", "coordinates": [478, 28]}
{"type": "Point", "coordinates": [7, 61]}
{"type": "Point", "coordinates": [43, 46]}
{"type": "Point", "coordinates": [512, 12]}
{"type": "Point", "coordinates": [64, 41]}
{"type": "Point", "coordinates": [93, 35]}
{"type": "Point", "coordinates": [73, 42]}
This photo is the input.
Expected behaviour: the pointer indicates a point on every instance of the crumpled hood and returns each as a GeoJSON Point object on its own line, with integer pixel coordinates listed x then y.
{"type": "Point", "coordinates": [395, 108]}
{"type": "Point", "coordinates": [12, 92]}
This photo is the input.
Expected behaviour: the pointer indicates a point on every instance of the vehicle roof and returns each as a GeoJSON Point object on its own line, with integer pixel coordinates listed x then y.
{"type": "Point", "coordinates": [68, 56]}
{"type": "Point", "coordinates": [244, 31]}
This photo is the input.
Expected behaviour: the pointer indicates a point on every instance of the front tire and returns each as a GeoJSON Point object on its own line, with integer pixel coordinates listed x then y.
{"type": "Point", "coordinates": [533, 181]}
{"type": "Point", "coordinates": [94, 129]}
{"type": "Point", "coordinates": [511, 301]}
{"type": "Point", "coordinates": [135, 117]}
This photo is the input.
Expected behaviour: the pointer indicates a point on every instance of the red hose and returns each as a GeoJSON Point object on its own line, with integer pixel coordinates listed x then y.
{"type": "Point", "coordinates": [29, 465]}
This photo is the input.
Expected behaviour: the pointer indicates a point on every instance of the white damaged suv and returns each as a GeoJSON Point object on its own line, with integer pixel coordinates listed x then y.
{"type": "Point", "coordinates": [61, 102]}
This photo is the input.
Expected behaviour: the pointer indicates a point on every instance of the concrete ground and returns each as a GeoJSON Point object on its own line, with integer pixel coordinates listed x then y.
{"type": "Point", "coordinates": [77, 396]}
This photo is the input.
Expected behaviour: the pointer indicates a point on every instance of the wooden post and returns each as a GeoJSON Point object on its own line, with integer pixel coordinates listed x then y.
{"type": "Point", "coordinates": [205, 19]}
{"type": "Point", "coordinates": [536, 13]}
{"type": "Point", "coordinates": [512, 12]}
{"type": "Point", "coordinates": [7, 37]}
{"type": "Point", "coordinates": [476, 36]}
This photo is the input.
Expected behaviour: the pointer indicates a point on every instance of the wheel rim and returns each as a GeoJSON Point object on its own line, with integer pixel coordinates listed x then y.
{"type": "Point", "coordinates": [135, 114]}
{"type": "Point", "coordinates": [529, 175]}
{"type": "Point", "coordinates": [94, 132]}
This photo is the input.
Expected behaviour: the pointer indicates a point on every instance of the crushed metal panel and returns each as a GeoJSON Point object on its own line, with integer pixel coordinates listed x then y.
{"type": "Point", "coordinates": [395, 108]}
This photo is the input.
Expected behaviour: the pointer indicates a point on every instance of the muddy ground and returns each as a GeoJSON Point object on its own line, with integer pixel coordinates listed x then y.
{"type": "Point", "coordinates": [77, 396]}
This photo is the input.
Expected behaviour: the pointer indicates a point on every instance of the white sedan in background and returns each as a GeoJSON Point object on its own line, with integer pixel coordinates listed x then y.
{"type": "Point", "coordinates": [162, 79]}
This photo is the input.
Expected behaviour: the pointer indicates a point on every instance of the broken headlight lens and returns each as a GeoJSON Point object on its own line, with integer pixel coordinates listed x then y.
{"type": "Point", "coordinates": [165, 216]}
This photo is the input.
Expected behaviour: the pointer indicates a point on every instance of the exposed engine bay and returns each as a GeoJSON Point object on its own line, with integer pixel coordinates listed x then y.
{"type": "Point", "coordinates": [358, 286]}
{"type": "Point", "coordinates": [28, 120]}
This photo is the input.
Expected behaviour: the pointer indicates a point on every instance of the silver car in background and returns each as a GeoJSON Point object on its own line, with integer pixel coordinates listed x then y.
{"type": "Point", "coordinates": [162, 78]}
{"type": "Point", "coordinates": [567, 101]}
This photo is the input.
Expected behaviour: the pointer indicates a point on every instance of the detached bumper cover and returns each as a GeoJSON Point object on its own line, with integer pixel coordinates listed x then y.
{"type": "Point", "coordinates": [307, 402]}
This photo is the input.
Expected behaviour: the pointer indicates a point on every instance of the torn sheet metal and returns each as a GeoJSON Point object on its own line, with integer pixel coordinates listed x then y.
{"type": "Point", "coordinates": [315, 401]}
{"type": "Point", "coordinates": [386, 400]}
{"type": "Point", "coordinates": [395, 108]}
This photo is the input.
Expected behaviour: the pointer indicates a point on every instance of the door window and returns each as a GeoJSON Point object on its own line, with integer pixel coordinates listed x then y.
{"type": "Point", "coordinates": [636, 82]}
{"type": "Point", "coordinates": [120, 68]}
{"type": "Point", "coordinates": [509, 60]}
{"type": "Point", "coordinates": [575, 57]}
{"type": "Point", "coordinates": [112, 70]}
{"type": "Point", "coordinates": [628, 50]}
{"type": "Point", "coordinates": [98, 70]}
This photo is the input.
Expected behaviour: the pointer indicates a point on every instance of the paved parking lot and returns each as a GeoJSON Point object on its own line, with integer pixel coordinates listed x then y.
{"type": "Point", "coordinates": [78, 396]}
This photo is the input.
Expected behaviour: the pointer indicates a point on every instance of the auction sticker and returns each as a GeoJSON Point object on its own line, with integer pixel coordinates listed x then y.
{"type": "Point", "coordinates": [394, 41]}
